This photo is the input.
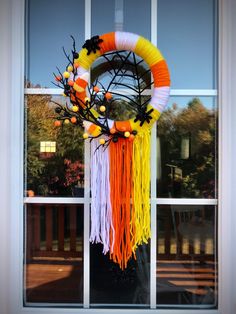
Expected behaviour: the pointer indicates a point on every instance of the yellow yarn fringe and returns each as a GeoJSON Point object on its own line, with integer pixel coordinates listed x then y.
{"type": "Point", "coordinates": [140, 216]}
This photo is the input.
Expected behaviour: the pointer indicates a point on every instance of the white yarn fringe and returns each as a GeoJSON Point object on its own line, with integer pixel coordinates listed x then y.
{"type": "Point", "coordinates": [101, 213]}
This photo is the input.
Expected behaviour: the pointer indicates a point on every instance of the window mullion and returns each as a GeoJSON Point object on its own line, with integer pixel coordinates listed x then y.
{"type": "Point", "coordinates": [87, 226]}
{"type": "Point", "coordinates": [173, 92]}
{"type": "Point", "coordinates": [153, 250]}
{"type": "Point", "coordinates": [86, 289]}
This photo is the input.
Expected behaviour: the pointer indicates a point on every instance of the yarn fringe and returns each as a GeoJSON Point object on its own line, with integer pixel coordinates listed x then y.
{"type": "Point", "coordinates": [140, 219]}
{"type": "Point", "coordinates": [120, 192]}
{"type": "Point", "coordinates": [120, 187]}
{"type": "Point", "coordinates": [101, 212]}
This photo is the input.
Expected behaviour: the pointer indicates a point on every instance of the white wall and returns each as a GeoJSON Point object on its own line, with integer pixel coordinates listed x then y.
{"type": "Point", "coordinates": [233, 178]}
{"type": "Point", "coordinates": [5, 100]}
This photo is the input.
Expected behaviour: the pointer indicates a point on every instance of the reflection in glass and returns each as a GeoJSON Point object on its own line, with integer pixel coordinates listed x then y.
{"type": "Point", "coordinates": [187, 258]}
{"type": "Point", "coordinates": [54, 254]}
{"type": "Point", "coordinates": [119, 15]}
{"type": "Point", "coordinates": [49, 26]}
{"type": "Point", "coordinates": [60, 171]}
{"type": "Point", "coordinates": [191, 49]}
{"type": "Point", "coordinates": [112, 287]}
{"type": "Point", "coordinates": [127, 77]}
{"type": "Point", "coordinates": [186, 149]}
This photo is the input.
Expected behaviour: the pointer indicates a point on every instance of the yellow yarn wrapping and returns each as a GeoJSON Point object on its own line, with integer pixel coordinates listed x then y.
{"type": "Point", "coordinates": [148, 51]}
{"type": "Point", "coordinates": [140, 217]}
{"type": "Point", "coordinates": [86, 60]}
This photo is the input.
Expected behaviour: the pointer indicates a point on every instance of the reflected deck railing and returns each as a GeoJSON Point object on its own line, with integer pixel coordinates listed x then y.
{"type": "Point", "coordinates": [57, 231]}
{"type": "Point", "coordinates": [53, 231]}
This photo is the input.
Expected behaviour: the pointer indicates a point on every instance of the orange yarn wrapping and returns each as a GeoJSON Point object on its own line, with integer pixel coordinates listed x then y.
{"type": "Point", "coordinates": [108, 43]}
{"type": "Point", "coordinates": [160, 74]}
{"type": "Point", "coordinates": [120, 192]}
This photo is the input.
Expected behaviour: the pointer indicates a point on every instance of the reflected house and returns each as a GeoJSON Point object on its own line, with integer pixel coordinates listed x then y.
{"type": "Point", "coordinates": [73, 171]}
{"type": "Point", "coordinates": [186, 146]}
{"type": "Point", "coordinates": [175, 173]}
{"type": "Point", "coordinates": [47, 149]}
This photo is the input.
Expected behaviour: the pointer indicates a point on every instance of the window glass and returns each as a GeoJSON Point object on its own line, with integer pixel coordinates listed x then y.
{"type": "Point", "coordinates": [54, 254]}
{"type": "Point", "coordinates": [112, 287]}
{"type": "Point", "coordinates": [187, 38]}
{"type": "Point", "coordinates": [119, 15]}
{"type": "Point", "coordinates": [49, 25]}
{"type": "Point", "coordinates": [137, 17]}
{"type": "Point", "coordinates": [186, 256]}
{"type": "Point", "coordinates": [186, 148]}
{"type": "Point", "coordinates": [58, 168]}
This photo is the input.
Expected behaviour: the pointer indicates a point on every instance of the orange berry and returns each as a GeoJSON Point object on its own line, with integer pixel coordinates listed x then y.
{"type": "Point", "coordinates": [58, 78]}
{"type": "Point", "coordinates": [131, 137]}
{"type": "Point", "coordinates": [76, 65]}
{"type": "Point", "coordinates": [96, 89]}
{"type": "Point", "coordinates": [73, 120]}
{"type": "Point", "coordinates": [108, 95]}
{"type": "Point", "coordinates": [112, 130]}
{"type": "Point", "coordinates": [71, 83]}
{"type": "Point", "coordinates": [30, 193]}
{"type": "Point", "coordinates": [57, 123]}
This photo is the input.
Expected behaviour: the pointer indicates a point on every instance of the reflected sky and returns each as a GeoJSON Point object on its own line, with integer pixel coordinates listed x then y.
{"type": "Point", "coordinates": [186, 35]}
{"type": "Point", "coordinates": [208, 101]}
{"type": "Point", "coordinates": [50, 24]}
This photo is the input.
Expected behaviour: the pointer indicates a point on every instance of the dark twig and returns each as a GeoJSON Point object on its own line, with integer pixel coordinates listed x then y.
{"type": "Point", "coordinates": [67, 56]}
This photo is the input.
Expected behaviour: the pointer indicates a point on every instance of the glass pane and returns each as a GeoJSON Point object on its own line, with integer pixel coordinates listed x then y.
{"type": "Point", "coordinates": [54, 254]}
{"type": "Point", "coordinates": [54, 155]}
{"type": "Point", "coordinates": [49, 26]}
{"type": "Point", "coordinates": [112, 287]}
{"type": "Point", "coordinates": [187, 32]}
{"type": "Point", "coordinates": [118, 15]}
{"type": "Point", "coordinates": [187, 257]}
{"type": "Point", "coordinates": [186, 148]}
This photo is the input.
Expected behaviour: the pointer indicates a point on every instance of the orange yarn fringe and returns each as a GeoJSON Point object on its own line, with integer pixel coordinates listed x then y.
{"type": "Point", "coordinates": [121, 194]}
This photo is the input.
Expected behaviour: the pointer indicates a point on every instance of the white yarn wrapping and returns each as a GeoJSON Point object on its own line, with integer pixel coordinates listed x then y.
{"type": "Point", "coordinates": [160, 97]}
{"type": "Point", "coordinates": [126, 41]}
{"type": "Point", "coordinates": [101, 212]}
{"type": "Point", "coordinates": [86, 125]}
{"type": "Point", "coordinates": [80, 72]}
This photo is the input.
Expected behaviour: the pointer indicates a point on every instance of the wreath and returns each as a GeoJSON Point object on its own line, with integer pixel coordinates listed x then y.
{"type": "Point", "coordinates": [121, 173]}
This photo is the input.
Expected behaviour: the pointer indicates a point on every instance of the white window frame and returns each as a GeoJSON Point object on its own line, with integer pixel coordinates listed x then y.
{"type": "Point", "coordinates": [16, 173]}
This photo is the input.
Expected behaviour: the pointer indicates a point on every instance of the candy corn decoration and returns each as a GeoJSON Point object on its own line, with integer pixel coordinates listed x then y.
{"type": "Point", "coordinates": [120, 150]}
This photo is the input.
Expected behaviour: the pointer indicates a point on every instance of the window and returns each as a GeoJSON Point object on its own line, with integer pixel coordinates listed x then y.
{"type": "Point", "coordinates": [47, 147]}
{"type": "Point", "coordinates": [178, 268]}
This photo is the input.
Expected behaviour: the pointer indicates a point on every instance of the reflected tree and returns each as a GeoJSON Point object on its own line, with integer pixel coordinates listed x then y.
{"type": "Point", "coordinates": [193, 176]}
{"type": "Point", "coordinates": [58, 173]}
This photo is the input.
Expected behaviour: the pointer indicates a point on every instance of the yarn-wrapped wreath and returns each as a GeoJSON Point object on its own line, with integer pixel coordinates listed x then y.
{"type": "Point", "coordinates": [120, 175]}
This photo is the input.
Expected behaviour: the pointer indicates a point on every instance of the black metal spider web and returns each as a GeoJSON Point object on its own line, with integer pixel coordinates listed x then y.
{"type": "Point", "coordinates": [122, 67]}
